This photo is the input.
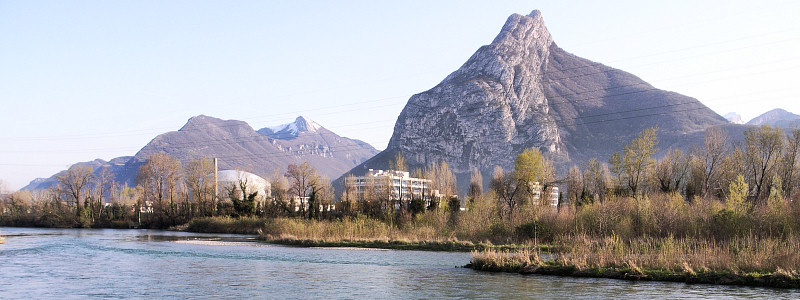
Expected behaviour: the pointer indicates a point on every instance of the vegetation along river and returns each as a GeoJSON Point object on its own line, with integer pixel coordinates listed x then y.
{"type": "Point", "coordinates": [88, 263]}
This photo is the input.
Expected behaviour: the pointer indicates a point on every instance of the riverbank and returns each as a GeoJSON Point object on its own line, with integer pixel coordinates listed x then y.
{"type": "Point", "coordinates": [356, 233]}
{"type": "Point", "coordinates": [448, 246]}
{"type": "Point", "coordinates": [776, 279]}
{"type": "Point", "coordinates": [747, 261]}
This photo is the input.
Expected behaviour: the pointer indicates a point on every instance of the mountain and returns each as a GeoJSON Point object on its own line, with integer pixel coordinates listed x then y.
{"type": "Point", "coordinates": [116, 166]}
{"type": "Point", "coordinates": [523, 91]}
{"type": "Point", "coordinates": [290, 130]}
{"type": "Point", "coordinates": [777, 117]}
{"type": "Point", "coordinates": [734, 118]}
{"type": "Point", "coordinates": [239, 146]}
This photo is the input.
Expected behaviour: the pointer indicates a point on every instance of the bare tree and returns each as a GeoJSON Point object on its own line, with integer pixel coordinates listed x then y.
{"type": "Point", "coordinates": [763, 147]}
{"type": "Point", "coordinates": [576, 187]}
{"type": "Point", "coordinates": [733, 165]}
{"type": "Point", "coordinates": [671, 171]}
{"type": "Point", "coordinates": [399, 162]}
{"type": "Point", "coordinates": [300, 180]}
{"type": "Point", "coordinates": [715, 142]}
{"type": "Point", "coordinates": [280, 194]}
{"type": "Point", "coordinates": [349, 198]}
{"type": "Point", "coordinates": [197, 178]}
{"type": "Point", "coordinates": [596, 179]}
{"type": "Point", "coordinates": [475, 185]}
{"type": "Point", "coordinates": [790, 162]}
{"type": "Point", "coordinates": [442, 178]}
{"type": "Point", "coordinates": [320, 196]}
{"type": "Point", "coordinates": [159, 178]}
{"type": "Point", "coordinates": [505, 186]}
{"type": "Point", "coordinates": [103, 185]}
{"type": "Point", "coordinates": [75, 184]}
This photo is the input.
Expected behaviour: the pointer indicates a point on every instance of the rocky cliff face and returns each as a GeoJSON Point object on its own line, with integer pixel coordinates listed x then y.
{"type": "Point", "coordinates": [523, 91]}
{"type": "Point", "coordinates": [490, 109]}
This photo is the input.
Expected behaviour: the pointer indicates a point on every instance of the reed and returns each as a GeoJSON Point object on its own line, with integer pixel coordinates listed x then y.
{"type": "Point", "coordinates": [242, 225]}
{"type": "Point", "coordinates": [741, 261]}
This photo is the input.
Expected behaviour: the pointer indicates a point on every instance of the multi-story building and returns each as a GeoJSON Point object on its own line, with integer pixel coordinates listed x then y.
{"type": "Point", "coordinates": [396, 185]}
{"type": "Point", "coordinates": [551, 197]}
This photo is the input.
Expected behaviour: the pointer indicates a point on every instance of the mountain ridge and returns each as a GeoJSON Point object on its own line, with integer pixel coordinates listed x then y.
{"type": "Point", "coordinates": [238, 146]}
{"type": "Point", "coordinates": [777, 117]}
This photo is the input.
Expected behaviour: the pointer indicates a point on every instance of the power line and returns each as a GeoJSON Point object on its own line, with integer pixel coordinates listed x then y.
{"type": "Point", "coordinates": [149, 131]}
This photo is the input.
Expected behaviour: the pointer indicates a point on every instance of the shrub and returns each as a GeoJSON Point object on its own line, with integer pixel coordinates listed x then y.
{"type": "Point", "coordinates": [536, 230]}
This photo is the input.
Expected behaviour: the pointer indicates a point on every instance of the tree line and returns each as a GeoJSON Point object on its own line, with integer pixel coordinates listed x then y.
{"type": "Point", "coordinates": [762, 166]}
{"type": "Point", "coordinates": [169, 193]}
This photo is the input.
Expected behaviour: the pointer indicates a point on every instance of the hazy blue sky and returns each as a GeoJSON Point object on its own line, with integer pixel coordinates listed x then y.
{"type": "Point", "coordinates": [81, 80]}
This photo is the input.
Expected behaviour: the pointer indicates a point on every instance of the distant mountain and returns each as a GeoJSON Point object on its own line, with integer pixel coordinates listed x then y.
{"type": "Point", "coordinates": [117, 167]}
{"type": "Point", "coordinates": [734, 118]}
{"type": "Point", "coordinates": [777, 117]}
{"type": "Point", "coordinates": [523, 91]}
{"type": "Point", "coordinates": [238, 146]}
{"type": "Point", "coordinates": [290, 130]}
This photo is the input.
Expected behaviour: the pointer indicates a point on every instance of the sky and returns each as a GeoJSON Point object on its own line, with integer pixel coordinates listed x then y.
{"type": "Point", "coordinates": [81, 80]}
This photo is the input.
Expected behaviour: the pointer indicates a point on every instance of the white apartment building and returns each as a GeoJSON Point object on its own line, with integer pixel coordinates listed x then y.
{"type": "Point", "coordinates": [403, 186]}
{"type": "Point", "coordinates": [551, 197]}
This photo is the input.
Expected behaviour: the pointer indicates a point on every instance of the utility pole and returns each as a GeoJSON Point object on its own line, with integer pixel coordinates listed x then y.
{"type": "Point", "coordinates": [216, 187]}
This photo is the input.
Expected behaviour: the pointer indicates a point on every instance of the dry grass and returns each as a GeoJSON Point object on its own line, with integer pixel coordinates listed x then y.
{"type": "Point", "coordinates": [351, 229]}
{"type": "Point", "coordinates": [748, 254]}
{"type": "Point", "coordinates": [685, 256]}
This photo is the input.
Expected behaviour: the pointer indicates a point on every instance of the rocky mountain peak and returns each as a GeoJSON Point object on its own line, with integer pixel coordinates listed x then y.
{"type": "Point", "coordinates": [525, 32]}
{"type": "Point", "coordinates": [199, 121]}
{"type": "Point", "coordinates": [523, 91]}
{"type": "Point", "coordinates": [291, 130]}
{"type": "Point", "coordinates": [304, 124]}
{"type": "Point", "coordinates": [495, 103]}
{"type": "Point", "coordinates": [208, 124]}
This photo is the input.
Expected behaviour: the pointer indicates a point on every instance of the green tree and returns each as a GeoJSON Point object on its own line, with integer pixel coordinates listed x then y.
{"type": "Point", "coordinates": [531, 166]}
{"type": "Point", "coordinates": [636, 160]}
{"type": "Point", "coordinates": [737, 197]}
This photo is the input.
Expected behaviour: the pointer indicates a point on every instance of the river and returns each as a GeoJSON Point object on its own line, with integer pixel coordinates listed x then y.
{"type": "Point", "coordinates": [106, 263]}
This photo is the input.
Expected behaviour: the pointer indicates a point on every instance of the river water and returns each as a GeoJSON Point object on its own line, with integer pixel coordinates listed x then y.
{"type": "Point", "coordinates": [105, 263]}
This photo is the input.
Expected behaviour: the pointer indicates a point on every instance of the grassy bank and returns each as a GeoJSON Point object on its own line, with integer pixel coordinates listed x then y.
{"type": "Point", "coordinates": [359, 232]}
{"type": "Point", "coordinates": [453, 246]}
{"type": "Point", "coordinates": [243, 225]}
{"type": "Point", "coordinates": [748, 261]}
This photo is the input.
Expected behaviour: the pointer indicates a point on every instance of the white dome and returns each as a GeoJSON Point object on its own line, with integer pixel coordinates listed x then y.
{"type": "Point", "coordinates": [254, 182]}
